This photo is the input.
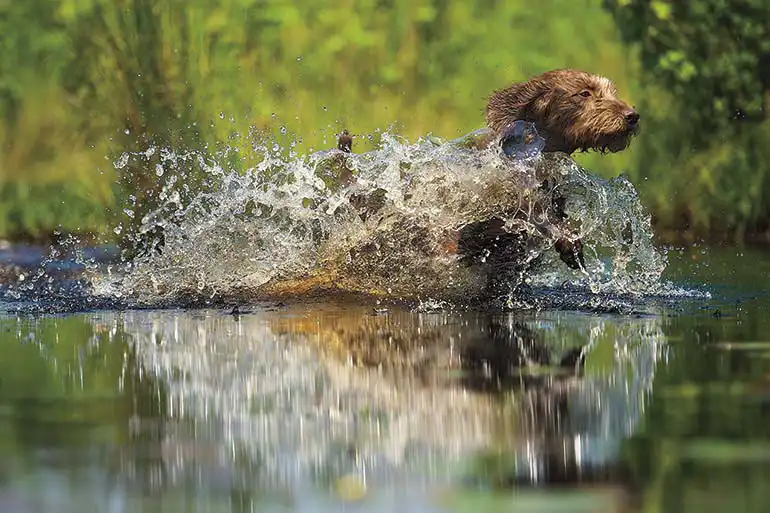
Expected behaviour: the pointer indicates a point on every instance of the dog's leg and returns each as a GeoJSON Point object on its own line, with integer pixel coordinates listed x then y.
{"type": "Point", "coordinates": [500, 253]}
{"type": "Point", "coordinates": [522, 138]}
{"type": "Point", "coordinates": [570, 251]}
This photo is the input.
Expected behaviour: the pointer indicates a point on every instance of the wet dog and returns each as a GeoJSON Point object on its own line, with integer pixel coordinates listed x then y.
{"type": "Point", "coordinates": [572, 110]}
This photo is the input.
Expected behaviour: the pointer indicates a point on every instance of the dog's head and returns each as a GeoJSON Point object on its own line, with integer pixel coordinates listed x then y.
{"type": "Point", "coordinates": [573, 110]}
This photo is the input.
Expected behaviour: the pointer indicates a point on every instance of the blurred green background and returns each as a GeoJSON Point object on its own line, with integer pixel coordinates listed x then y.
{"type": "Point", "coordinates": [82, 81]}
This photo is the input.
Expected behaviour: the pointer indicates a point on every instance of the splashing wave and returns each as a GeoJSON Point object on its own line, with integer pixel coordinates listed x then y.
{"type": "Point", "coordinates": [291, 225]}
{"type": "Point", "coordinates": [383, 223]}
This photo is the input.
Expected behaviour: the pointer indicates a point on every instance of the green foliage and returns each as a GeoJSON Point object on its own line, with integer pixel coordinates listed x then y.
{"type": "Point", "coordinates": [719, 192]}
{"type": "Point", "coordinates": [85, 80]}
{"type": "Point", "coordinates": [34, 211]}
{"type": "Point", "coordinates": [713, 55]}
{"type": "Point", "coordinates": [705, 161]}
{"type": "Point", "coordinates": [68, 382]}
{"type": "Point", "coordinates": [82, 81]}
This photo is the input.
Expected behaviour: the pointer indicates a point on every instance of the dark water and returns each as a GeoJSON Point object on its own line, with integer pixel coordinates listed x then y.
{"type": "Point", "coordinates": [331, 407]}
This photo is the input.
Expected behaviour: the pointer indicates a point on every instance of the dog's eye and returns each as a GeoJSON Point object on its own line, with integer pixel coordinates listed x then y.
{"type": "Point", "coordinates": [585, 93]}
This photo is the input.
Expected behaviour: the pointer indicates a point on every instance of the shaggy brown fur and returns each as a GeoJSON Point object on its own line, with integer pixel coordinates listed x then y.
{"type": "Point", "coordinates": [571, 109]}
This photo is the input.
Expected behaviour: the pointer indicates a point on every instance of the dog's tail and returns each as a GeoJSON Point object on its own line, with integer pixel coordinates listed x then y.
{"type": "Point", "coordinates": [345, 142]}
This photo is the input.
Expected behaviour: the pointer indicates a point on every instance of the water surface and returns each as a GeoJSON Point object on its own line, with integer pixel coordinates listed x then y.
{"type": "Point", "coordinates": [324, 407]}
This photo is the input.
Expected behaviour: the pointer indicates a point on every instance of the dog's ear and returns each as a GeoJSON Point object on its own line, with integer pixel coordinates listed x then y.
{"type": "Point", "coordinates": [526, 101]}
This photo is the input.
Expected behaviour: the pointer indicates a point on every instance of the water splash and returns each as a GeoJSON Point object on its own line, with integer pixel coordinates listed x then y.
{"type": "Point", "coordinates": [383, 223]}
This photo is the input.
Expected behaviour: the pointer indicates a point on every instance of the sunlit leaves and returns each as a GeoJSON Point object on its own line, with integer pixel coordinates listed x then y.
{"type": "Point", "coordinates": [704, 50]}
{"type": "Point", "coordinates": [661, 9]}
{"type": "Point", "coordinates": [676, 62]}
{"type": "Point", "coordinates": [705, 155]}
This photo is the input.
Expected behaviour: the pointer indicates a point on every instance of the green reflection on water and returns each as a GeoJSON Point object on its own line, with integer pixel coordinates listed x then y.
{"type": "Point", "coordinates": [157, 410]}
{"type": "Point", "coordinates": [65, 383]}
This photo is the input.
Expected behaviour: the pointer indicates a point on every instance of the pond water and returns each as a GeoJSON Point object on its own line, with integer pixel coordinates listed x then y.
{"type": "Point", "coordinates": [176, 380]}
{"type": "Point", "coordinates": [358, 407]}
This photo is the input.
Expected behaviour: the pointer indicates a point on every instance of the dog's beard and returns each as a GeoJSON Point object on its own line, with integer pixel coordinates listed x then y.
{"type": "Point", "coordinates": [611, 141]}
{"type": "Point", "coordinates": [603, 131]}
{"type": "Point", "coordinates": [615, 142]}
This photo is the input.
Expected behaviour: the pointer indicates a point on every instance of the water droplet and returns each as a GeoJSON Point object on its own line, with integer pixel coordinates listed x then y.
{"type": "Point", "coordinates": [283, 130]}
{"type": "Point", "coordinates": [118, 230]}
{"type": "Point", "coordinates": [22, 277]}
{"type": "Point", "coordinates": [326, 109]}
{"type": "Point", "coordinates": [299, 58]}
{"type": "Point", "coordinates": [127, 131]}
{"type": "Point", "coordinates": [121, 162]}
{"type": "Point", "coordinates": [129, 212]}
{"type": "Point", "coordinates": [221, 115]}
{"type": "Point", "coordinates": [158, 170]}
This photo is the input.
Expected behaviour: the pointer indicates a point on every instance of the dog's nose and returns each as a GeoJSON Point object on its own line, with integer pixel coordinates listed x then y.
{"type": "Point", "coordinates": [631, 116]}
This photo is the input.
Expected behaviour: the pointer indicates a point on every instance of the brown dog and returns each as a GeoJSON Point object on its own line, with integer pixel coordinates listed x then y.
{"type": "Point", "coordinates": [573, 110]}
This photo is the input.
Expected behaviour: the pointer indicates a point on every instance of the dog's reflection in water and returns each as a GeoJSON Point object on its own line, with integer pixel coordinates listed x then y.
{"type": "Point", "coordinates": [512, 363]}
